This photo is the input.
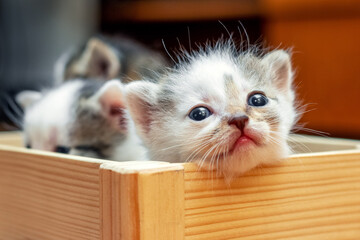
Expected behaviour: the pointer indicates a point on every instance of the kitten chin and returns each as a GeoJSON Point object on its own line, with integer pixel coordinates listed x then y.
{"type": "Point", "coordinates": [240, 162]}
{"type": "Point", "coordinates": [221, 108]}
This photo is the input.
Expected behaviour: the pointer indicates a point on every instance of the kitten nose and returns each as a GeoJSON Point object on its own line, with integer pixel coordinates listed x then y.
{"type": "Point", "coordinates": [239, 121]}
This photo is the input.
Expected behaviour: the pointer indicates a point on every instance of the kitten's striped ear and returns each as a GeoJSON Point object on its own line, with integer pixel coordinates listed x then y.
{"type": "Point", "coordinates": [98, 60]}
{"type": "Point", "coordinates": [280, 67]}
{"type": "Point", "coordinates": [141, 102]}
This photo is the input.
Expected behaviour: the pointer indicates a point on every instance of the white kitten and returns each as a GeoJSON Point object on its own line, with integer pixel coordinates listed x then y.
{"type": "Point", "coordinates": [88, 117]}
{"type": "Point", "coordinates": [221, 108]}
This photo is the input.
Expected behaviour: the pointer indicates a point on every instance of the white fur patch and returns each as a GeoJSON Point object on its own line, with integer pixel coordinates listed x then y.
{"type": "Point", "coordinates": [46, 122]}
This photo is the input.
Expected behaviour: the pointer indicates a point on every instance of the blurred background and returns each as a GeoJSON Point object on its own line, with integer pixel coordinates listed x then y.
{"type": "Point", "coordinates": [324, 36]}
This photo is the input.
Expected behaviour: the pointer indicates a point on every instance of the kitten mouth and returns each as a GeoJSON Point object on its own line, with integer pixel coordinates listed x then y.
{"type": "Point", "coordinates": [243, 142]}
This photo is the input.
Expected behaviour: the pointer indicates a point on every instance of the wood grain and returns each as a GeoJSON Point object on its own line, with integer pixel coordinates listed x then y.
{"type": "Point", "coordinates": [47, 196]}
{"type": "Point", "coordinates": [56, 196]}
{"type": "Point", "coordinates": [146, 201]}
{"type": "Point", "coordinates": [307, 197]}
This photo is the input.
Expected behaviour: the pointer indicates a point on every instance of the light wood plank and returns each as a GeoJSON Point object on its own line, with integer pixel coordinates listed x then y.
{"type": "Point", "coordinates": [57, 196]}
{"type": "Point", "coordinates": [12, 138]}
{"type": "Point", "coordinates": [142, 201]}
{"type": "Point", "coordinates": [161, 203]}
{"type": "Point", "coordinates": [307, 197]}
{"type": "Point", "coordinates": [48, 196]}
{"type": "Point", "coordinates": [312, 144]}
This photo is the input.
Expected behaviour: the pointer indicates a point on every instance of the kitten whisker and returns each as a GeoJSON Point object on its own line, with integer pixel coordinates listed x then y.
{"type": "Point", "coordinates": [230, 34]}
{"type": "Point", "coordinates": [316, 132]}
{"type": "Point", "coordinates": [246, 34]}
{"type": "Point", "coordinates": [188, 30]}
{"type": "Point", "coordinates": [216, 151]}
{"type": "Point", "coordinates": [195, 152]}
{"type": "Point", "coordinates": [203, 158]}
{"type": "Point", "coordinates": [241, 47]}
{"type": "Point", "coordinates": [162, 40]}
{"type": "Point", "coordinates": [299, 145]}
{"type": "Point", "coordinates": [183, 144]}
{"type": "Point", "coordinates": [12, 116]}
{"type": "Point", "coordinates": [11, 110]}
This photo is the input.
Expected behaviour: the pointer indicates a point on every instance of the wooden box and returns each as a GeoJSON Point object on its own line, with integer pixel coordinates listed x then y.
{"type": "Point", "coordinates": [55, 196]}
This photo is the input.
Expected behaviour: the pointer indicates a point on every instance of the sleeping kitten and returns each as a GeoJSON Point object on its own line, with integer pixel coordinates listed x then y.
{"type": "Point", "coordinates": [107, 58]}
{"type": "Point", "coordinates": [84, 117]}
{"type": "Point", "coordinates": [221, 108]}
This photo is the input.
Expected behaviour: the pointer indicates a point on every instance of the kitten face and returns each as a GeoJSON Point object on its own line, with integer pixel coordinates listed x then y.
{"type": "Point", "coordinates": [222, 110]}
{"type": "Point", "coordinates": [102, 127]}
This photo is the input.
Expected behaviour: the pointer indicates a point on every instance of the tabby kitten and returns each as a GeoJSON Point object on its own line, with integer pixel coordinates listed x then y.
{"type": "Point", "coordinates": [221, 108]}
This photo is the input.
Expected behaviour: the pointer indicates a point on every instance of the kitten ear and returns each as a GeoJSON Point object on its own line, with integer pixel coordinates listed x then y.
{"type": "Point", "coordinates": [141, 100]}
{"type": "Point", "coordinates": [110, 97]}
{"type": "Point", "coordinates": [280, 66]}
{"type": "Point", "coordinates": [98, 60]}
{"type": "Point", "coordinates": [27, 98]}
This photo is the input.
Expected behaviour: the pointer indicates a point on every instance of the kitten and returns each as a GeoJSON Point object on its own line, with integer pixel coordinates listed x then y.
{"type": "Point", "coordinates": [221, 108]}
{"type": "Point", "coordinates": [107, 58]}
{"type": "Point", "coordinates": [84, 117]}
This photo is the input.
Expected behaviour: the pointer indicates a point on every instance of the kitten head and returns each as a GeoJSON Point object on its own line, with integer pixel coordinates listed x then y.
{"type": "Point", "coordinates": [101, 122]}
{"type": "Point", "coordinates": [84, 117]}
{"type": "Point", "coordinates": [222, 109]}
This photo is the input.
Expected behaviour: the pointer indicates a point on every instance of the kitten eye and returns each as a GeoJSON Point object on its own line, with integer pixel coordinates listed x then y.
{"type": "Point", "coordinates": [257, 100]}
{"type": "Point", "coordinates": [62, 149]}
{"type": "Point", "coordinates": [199, 113]}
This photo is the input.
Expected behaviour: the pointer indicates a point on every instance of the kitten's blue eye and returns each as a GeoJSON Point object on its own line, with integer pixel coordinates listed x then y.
{"type": "Point", "coordinates": [199, 113]}
{"type": "Point", "coordinates": [257, 100]}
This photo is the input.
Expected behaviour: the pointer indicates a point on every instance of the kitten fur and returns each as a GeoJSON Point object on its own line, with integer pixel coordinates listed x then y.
{"type": "Point", "coordinates": [89, 117]}
{"type": "Point", "coordinates": [220, 78]}
{"type": "Point", "coordinates": [106, 58]}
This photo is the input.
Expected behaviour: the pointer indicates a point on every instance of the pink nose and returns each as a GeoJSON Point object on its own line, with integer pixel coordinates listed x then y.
{"type": "Point", "coordinates": [239, 121]}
